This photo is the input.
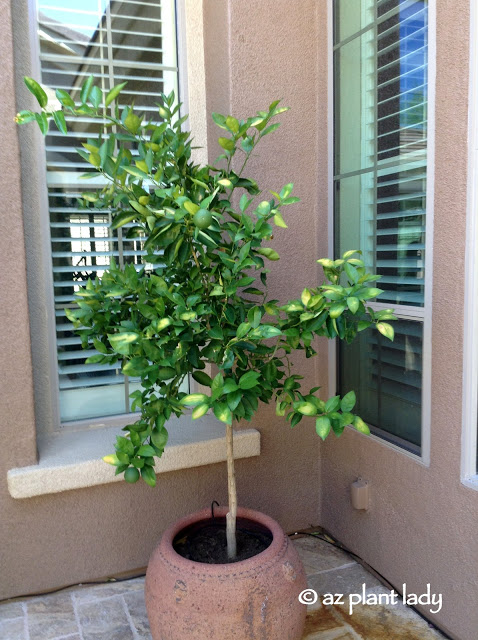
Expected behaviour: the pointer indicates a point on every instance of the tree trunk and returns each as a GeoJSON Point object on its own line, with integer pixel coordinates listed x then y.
{"type": "Point", "coordinates": [232, 494]}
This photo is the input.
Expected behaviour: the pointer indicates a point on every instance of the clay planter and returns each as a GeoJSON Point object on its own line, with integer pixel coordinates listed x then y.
{"type": "Point", "coordinates": [254, 599]}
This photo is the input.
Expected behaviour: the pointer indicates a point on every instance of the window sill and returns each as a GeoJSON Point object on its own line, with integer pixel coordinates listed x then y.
{"type": "Point", "coordinates": [72, 460]}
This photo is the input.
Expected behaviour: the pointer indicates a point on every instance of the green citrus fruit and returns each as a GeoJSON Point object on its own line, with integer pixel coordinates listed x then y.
{"type": "Point", "coordinates": [131, 475]}
{"type": "Point", "coordinates": [202, 219]}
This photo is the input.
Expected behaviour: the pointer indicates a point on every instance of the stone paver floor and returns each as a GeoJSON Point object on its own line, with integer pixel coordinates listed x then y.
{"type": "Point", "coordinates": [116, 611]}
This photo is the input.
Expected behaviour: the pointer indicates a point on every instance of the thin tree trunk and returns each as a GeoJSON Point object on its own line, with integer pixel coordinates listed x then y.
{"type": "Point", "coordinates": [232, 494]}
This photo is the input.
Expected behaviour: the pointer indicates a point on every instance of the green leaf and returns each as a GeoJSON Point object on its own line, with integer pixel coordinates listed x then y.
{"type": "Point", "coordinates": [306, 408]}
{"type": "Point", "coordinates": [99, 346]}
{"type": "Point", "coordinates": [217, 385]}
{"type": "Point", "coordinates": [352, 273]}
{"type": "Point", "coordinates": [187, 315]}
{"type": "Point", "coordinates": [42, 121]}
{"type": "Point", "coordinates": [37, 91]}
{"type": "Point", "coordinates": [132, 122]}
{"type": "Point", "coordinates": [162, 324]}
{"type": "Point", "coordinates": [24, 116]}
{"type": "Point", "coordinates": [94, 359]}
{"type": "Point", "coordinates": [332, 404]}
{"type": "Point", "coordinates": [305, 297]}
{"type": "Point", "coordinates": [146, 450]}
{"type": "Point", "coordinates": [124, 445]}
{"type": "Point", "coordinates": [159, 437]}
{"type": "Point", "coordinates": [121, 341]}
{"type": "Point", "coordinates": [199, 411]}
{"type": "Point", "coordinates": [360, 425]}
{"type": "Point", "coordinates": [350, 253]}
{"type": "Point", "coordinates": [229, 386]}
{"type": "Point", "coordinates": [216, 333]}
{"type": "Point", "coordinates": [60, 121]}
{"type": "Point", "coordinates": [348, 402]}
{"type": "Point", "coordinates": [226, 144]}
{"type": "Point", "coordinates": [114, 92]}
{"type": "Point", "coordinates": [268, 331]}
{"type": "Point", "coordinates": [296, 418]}
{"type": "Point", "coordinates": [232, 124]}
{"type": "Point", "coordinates": [135, 367]}
{"type": "Point", "coordinates": [96, 96]}
{"type": "Point", "coordinates": [244, 202]}
{"type": "Point", "coordinates": [202, 378]}
{"type": "Point", "coordinates": [148, 475]}
{"type": "Point", "coordinates": [336, 309]}
{"type": "Point", "coordinates": [386, 330]}
{"type": "Point", "coordinates": [112, 459]}
{"type": "Point", "coordinates": [363, 324]}
{"type": "Point", "coordinates": [270, 129]}
{"type": "Point", "coordinates": [86, 88]}
{"type": "Point", "coordinates": [194, 399]}
{"type": "Point", "coordinates": [134, 171]}
{"type": "Point", "coordinates": [249, 380]}
{"type": "Point", "coordinates": [219, 120]}
{"type": "Point", "coordinates": [65, 98]}
{"type": "Point", "coordinates": [166, 373]}
{"type": "Point", "coordinates": [270, 254]}
{"type": "Point", "coordinates": [286, 190]}
{"type": "Point", "coordinates": [222, 412]}
{"type": "Point", "coordinates": [353, 304]}
{"type": "Point", "coordinates": [147, 311]}
{"type": "Point", "coordinates": [279, 220]}
{"type": "Point", "coordinates": [191, 207]}
{"type": "Point", "coordinates": [368, 292]}
{"type": "Point", "coordinates": [322, 426]}
{"type": "Point", "coordinates": [243, 329]}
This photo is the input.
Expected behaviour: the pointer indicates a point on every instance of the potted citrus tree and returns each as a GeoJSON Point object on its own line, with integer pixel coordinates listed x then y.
{"type": "Point", "coordinates": [199, 305]}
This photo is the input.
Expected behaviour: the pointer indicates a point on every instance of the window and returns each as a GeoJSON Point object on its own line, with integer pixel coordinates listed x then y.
{"type": "Point", "coordinates": [380, 200]}
{"type": "Point", "coordinates": [115, 41]}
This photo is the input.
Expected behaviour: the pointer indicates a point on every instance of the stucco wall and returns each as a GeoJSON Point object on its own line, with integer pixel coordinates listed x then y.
{"type": "Point", "coordinates": [79, 535]}
{"type": "Point", "coordinates": [422, 524]}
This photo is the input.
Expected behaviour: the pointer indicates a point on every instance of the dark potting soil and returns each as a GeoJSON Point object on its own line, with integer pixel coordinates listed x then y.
{"type": "Point", "coordinates": [205, 541]}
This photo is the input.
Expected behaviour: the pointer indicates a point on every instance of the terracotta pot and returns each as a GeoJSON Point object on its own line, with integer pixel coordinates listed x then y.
{"type": "Point", "coordinates": [254, 599]}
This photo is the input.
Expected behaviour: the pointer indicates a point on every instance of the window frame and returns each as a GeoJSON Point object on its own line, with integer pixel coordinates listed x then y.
{"type": "Point", "coordinates": [406, 312]}
{"type": "Point", "coordinates": [41, 292]}
{"type": "Point", "coordinates": [469, 444]}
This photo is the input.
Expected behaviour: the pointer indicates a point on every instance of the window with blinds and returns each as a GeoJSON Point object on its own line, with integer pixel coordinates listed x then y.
{"type": "Point", "coordinates": [380, 174]}
{"type": "Point", "coordinates": [115, 41]}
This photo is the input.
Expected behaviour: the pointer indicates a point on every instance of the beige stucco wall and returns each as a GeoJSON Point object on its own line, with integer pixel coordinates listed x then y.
{"type": "Point", "coordinates": [422, 524]}
{"type": "Point", "coordinates": [50, 541]}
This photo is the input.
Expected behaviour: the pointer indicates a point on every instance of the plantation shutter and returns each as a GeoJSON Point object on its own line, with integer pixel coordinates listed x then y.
{"type": "Point", "coordinates": [381, 72]}
{"type": "Point", "coordinates": [115, 41]}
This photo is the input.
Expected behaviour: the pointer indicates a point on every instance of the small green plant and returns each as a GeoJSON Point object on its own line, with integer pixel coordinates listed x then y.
{"type": "Point", "coordinates": [201, 297]}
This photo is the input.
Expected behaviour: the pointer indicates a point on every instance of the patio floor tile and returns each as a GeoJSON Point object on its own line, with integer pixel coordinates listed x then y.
{"type": "Point", "coordinates": [89, 592]}
{"type": "Point", "coordinates": [9, 610]}
{"type": "Point", "coordinates": [318, 555]}
{"type": "Point", "coordinates": [105, 619]}
{"type": "Point", "coordinates": [346, 579]}
{"type": "Point", "coordinates": [12, 629]}
{"type": "Point", "coordinates": [137, 611]}
{"type": "Point", "coordinates": [51, 616]}
{"type": "Point", "coordinates": [116, 610]}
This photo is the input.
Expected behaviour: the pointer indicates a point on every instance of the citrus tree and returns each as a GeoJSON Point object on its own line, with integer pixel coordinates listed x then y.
{"type": "Point", "coordinates": [201, 296]}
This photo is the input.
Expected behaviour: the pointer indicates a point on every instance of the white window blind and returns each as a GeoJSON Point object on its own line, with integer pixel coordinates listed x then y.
{"type": "Point", "coordinates": [380, 186]}
{"type": "Point", "coordinates": [115, 41]}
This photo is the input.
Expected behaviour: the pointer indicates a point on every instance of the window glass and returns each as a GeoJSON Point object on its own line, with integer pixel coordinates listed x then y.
{"type": "Point", "coordinates": [117, 41]}
{"type": "Point", "coordinates": [380, 169]}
